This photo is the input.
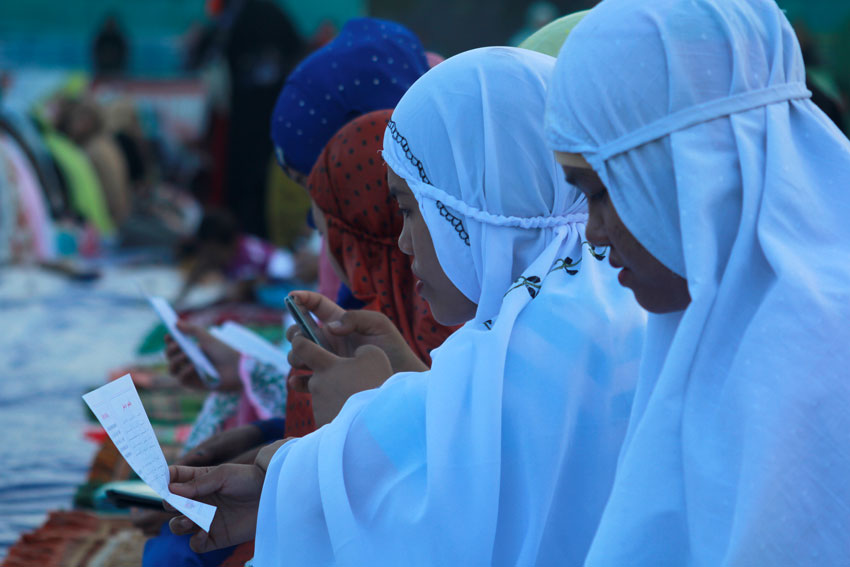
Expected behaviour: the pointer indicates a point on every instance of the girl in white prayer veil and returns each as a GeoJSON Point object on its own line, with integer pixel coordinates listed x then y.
{"type": "Point", "coordinates": [695, 118]}
{"type": "Point", "coordinates": [504, 452]}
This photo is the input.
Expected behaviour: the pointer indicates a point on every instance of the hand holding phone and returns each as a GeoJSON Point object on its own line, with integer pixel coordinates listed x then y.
{"type": "Point", "coordinates": [346, 331]}
{"type": "Point", "coordinates": [305, 322]}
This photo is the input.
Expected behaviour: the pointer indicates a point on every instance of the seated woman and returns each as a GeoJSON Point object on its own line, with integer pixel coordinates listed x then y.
{"type": "Point", "coordinates": [503, 451]}
{"type": "Point", "coordinates": [721, 190]}
{"type": "Point", "coordinates": [325, 91]}
{"type": "Point", "coordinates": [367, 67]}
{"type": "Point", "coordinates": [360, 224]}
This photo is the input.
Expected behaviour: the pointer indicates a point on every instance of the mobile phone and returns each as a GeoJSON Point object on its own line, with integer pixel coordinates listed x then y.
{"type": "Point", "coordinates": [305, 323]}
{"type": "Point", "coordinates": [129, 494]}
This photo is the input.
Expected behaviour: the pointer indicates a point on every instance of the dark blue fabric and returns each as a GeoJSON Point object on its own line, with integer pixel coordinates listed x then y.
{"type": "Point", "coordinates": [169, 550]}
{"type": "Point", "coordinates": [346, 299]}
{"type": "Point", "coordinates": [272, 429]}
{"type": "Point", "coordinates": [368, 66]}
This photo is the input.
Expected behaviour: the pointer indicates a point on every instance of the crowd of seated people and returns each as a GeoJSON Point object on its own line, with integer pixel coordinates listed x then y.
{"type": "Point", "coordinates": [580, 302]}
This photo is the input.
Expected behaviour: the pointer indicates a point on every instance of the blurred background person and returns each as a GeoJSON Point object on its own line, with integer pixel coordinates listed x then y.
{"type": "Point", "coordinates": [111, 50]}
{"type": "Point", "coordinates": [261, 47]}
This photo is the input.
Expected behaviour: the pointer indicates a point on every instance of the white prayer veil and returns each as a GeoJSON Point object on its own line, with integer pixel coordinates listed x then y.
{"type": "Point", "coordinates": [488, 180]}
{"type": "Point", "coordinates": [696, 117]}
{"type": "Point", "coordinates": [504, 452]}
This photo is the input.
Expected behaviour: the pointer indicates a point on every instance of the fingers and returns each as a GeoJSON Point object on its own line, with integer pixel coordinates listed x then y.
{"type": "Point", "coordinates": [190, 329]}
{"type": "Point", "coordinates": [176, 363]}
{"type": "Point", "coordinates": [196, 482]}
{"type": "Point", "coordinates": [181, 474]}
{"type": "Point", "coordinates": [362, 322]}
{"type": "Point", "coordinates": [181, 525]}
{"type": "Point", "coordinates": [171, 347]}
{"type": "Point", "coordinates": [292, 331]}
{"type": "Point", "coordinates": [299, 382]}
{"type": "Point", "coordinates": [311, 355]}
{"type": "Point", "coordinates": [322, 307]}
{"type": "Point", "coordinates": [202, 543]}
{"type": "Point", "coordinates": [197, 458]}
{"type": "Point", "coordinates": [174, 353]}
{"type": "Point", "coordinates": [180, 366]}
{"type": "Point", "coordinates": [371, 352]}
{"type": "Point", "coordinates": [265, 455]}
{"type": "Point", "coordinates": [189, 377]}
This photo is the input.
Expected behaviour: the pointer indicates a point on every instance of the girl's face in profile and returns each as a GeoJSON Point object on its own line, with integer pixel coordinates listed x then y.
{"type": "Point", "coordinates": [657, 289]}
{"type": "Point", "coordinates": [449, 305]}
{"type": "Point", "coordinates": [322, 227]}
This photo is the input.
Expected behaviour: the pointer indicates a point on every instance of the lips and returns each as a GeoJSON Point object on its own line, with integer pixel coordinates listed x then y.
{"type": "Point", "coordinates": [614, 260]}
{"type": "Point", "coordinates": [419, 281]}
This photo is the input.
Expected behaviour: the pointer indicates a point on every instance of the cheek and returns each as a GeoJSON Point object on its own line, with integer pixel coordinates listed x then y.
{"type": "Point", "coordinates": [319, 220]}
{"type": "Point", "coordinates": [420, 240]}
{"type": "Point", "coordinates": [616, 231]}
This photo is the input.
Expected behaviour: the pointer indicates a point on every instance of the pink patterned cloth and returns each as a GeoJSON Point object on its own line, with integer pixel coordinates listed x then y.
{"type": "Point", "coordinates": [328, 281]}
{"type": "Point", "coordinates": [251, 407]}
{"type": "Point", "coordinates": [255, 258]}
{"type": "Point", "coordinates": [33, 206]}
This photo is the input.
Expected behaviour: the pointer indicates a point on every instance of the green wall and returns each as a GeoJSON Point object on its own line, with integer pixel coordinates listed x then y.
{"type": "Point", "coordinates": [58, 33]}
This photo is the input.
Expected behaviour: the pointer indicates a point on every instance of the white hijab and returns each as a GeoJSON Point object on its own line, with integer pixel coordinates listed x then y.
{"type": "Point", "coordinates": [504, 451]}
{"type": "Point", "coordinates": [695, 115]}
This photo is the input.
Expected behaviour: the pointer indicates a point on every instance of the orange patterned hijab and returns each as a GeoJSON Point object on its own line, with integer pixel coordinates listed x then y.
{"type": "Point", "coordinates": [349, 184]}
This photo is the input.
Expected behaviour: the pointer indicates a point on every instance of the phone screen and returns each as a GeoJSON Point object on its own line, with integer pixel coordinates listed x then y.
{"type": "Point", "coordinates": [306, 323]}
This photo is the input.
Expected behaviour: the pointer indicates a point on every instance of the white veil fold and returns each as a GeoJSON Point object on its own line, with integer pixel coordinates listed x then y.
{"type": "Point", "coordinates": [695, 115]}
{"type": "Point", "coordinates": [503, 453]}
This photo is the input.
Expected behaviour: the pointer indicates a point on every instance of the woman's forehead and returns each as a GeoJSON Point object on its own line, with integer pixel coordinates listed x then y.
{"type": "Point", "coordinates": [397, 185]}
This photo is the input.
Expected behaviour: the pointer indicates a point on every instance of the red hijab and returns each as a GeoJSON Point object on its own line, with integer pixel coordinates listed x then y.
{"type": "Point", "coordinates": [349, 185]}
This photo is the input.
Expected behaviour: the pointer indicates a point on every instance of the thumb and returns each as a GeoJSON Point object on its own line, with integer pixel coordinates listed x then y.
{"type": "Point", "coordinates": [312, 355]}
{"type": "Point", "coordinates": [362, 322]}
{"type": "Point", "coordinates": [369, 351]}
{"type": "Point", "coordinates": [195, 482]}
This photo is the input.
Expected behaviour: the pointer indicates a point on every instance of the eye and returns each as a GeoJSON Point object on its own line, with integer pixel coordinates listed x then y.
{"type": "Point", "coordinates": [598, 197]}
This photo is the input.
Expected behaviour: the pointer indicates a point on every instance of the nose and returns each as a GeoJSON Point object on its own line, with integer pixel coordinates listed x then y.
{"type": "Point", "coordinates": [404, 241]}
{"type": "Point", "coordinates": [595, 230]}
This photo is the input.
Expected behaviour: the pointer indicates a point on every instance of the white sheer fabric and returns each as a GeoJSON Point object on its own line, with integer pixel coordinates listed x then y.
{"type": "Point", "coordinates": [695, 115]}
{"type": "Point", "coordinates": [488, 179]}
{"type": "Point", "coordinates": [504, 452]}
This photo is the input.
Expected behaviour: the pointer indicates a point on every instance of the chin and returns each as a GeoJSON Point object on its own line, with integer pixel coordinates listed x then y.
{"type": "Point", "coordinates": [660, 301]}
{"type": "Point", "coordinates": [444, 316]}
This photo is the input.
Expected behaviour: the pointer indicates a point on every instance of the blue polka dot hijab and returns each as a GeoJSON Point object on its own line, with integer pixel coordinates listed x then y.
{"type": "Point", "coordinates": [368, 66]}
